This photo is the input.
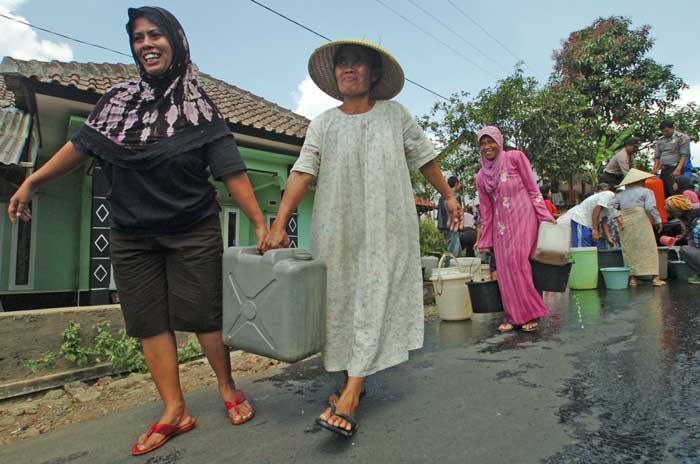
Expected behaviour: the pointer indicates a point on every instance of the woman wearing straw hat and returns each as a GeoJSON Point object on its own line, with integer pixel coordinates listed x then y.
{"type": "Point", "coordinates": [638, 206]}
{"type": "Point", "coordinates": [364, 221]}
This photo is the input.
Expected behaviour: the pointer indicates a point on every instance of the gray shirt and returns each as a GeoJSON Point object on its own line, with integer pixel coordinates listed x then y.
{"type": "Point", "coordinates": [637, 196]}
{"type": "Point", "coordinates": [669, 150]}
{"type": "Point", "coordinates": [619, 165]}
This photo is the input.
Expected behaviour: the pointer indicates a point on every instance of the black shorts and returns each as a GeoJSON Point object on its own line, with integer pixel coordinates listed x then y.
{"type": "Point", "coordinates": [169, 282]}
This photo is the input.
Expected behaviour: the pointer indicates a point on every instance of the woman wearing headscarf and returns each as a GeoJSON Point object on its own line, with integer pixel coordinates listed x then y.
{"type": "Point", "coordinates": [156, 139]}
{"type": "Point", "coordinates": [637, 205]}
{"type": "Point", "coordinates": [683, 186]}
{"type": "Point", "coordinates": [512, 208]}
{"type": "Point", "coordinates": [364, 220]}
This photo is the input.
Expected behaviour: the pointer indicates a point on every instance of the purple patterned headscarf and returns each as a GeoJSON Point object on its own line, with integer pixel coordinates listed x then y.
{"type": "Point", "coordinates": [491, 169]}
{"type": "Point", "coordinates": [139, 122]}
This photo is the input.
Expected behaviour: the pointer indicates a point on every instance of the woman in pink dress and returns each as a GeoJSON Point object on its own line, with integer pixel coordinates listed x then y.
{"type": "Point", "coordinates": [512, 208]}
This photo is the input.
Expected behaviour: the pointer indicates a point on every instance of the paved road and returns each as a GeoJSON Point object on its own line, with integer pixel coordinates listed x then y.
{"type": "Point", "coordinates": [611, 377]}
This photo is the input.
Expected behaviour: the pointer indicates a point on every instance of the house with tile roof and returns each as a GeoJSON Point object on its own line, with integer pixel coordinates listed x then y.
{"type": "Point", "coordinates": [61, 257]}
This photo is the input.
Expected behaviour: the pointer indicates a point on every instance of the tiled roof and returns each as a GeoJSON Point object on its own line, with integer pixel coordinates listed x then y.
{"type": "Point", "coordinates": [239, 106]}
{"type": "Point", "coordinates": [7, 98]}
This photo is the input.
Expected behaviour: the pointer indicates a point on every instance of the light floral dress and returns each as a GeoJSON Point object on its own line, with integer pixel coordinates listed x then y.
{"type": "Point", "coordinates": [365, 227]}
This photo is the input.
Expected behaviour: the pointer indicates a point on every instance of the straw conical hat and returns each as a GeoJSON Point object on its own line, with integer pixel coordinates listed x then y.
{"type": "Point", "coordinates": [322, 70]}
{"type": "Point", "coordinates": [635, 175]}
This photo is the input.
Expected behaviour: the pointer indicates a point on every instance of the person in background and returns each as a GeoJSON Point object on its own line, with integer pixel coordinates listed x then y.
{"type": "Point", "coordinates": [468, 235]}
{"type": "Point", "coordinates": [620, 164]}
{"type": "Point", "coordinates": [546, 192]}
{"type": "Point", "coordinates": [557, 196]}
{"type": "Point", "coordinates": [683, 186]}
{"type": "Point", "coordinates": [637, 206]}
{"type": "Point", "coordinates": [672, 152]}
{"type": "Point", "coordinates": [679, 207]}
{"type": "Point", "coordinates": [451, 237]}
{"type": "Point", "coordinates": [585, 219]}
{"type": "Point", "coordinates": [512, 209]}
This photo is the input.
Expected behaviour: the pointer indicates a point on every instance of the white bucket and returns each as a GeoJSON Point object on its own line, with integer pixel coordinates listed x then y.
{"type": "Point", "coordinates": [451, 293]}
{"type": "Point", "coordinates": [471, 266]}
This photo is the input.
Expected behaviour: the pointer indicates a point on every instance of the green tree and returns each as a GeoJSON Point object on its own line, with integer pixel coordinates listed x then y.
{"type": "Point", "coordinates": [608, 62]}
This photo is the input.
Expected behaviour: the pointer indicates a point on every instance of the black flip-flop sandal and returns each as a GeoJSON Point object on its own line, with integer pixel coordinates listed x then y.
{"type": "Point", "coordinates": [338, 430]}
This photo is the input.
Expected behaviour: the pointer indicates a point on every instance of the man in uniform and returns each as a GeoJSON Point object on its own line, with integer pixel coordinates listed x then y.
{"type": "Point", "coordinates": [672, 151]}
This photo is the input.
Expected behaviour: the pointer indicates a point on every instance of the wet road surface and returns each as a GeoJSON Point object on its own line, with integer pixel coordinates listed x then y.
{"type": "Point", "coordinates": [611, 377]}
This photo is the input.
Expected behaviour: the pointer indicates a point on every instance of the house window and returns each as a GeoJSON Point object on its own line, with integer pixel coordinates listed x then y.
{"type": "Point", "coordinates": [231, 227]}
{"type": "Point", "coordinates": [22, 252]}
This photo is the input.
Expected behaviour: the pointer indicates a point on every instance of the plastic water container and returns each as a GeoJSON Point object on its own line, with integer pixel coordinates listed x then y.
{"type": "Point", "coordinates": [609, 258]}
{"type": "Point", "coordinates": [471, 266]}
{"type": "Point", "coordinates": [550, 278]}
{"type": "Point", "coordinates": [663, 262]}
{"type": "Point", "coordinates": [274, 305]}
{"type": "Point", "coordinates": [485, 297]}
{"type": "Point", "coordinates": [428, 263]}
{"type": "Point", "coordinates": [616, 278]}
{"type": "Point", "coordinates": [553, 242]}
{"type": "Point", "coordinates": [584, 269]}
{"type": "Point", "coordinates": [451, 293]}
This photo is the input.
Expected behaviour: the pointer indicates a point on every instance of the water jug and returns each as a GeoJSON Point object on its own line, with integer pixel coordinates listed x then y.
{"type": "Point", "coordinates": [274, 305]}
{"type": "Point", "coordinates": [553, 242]}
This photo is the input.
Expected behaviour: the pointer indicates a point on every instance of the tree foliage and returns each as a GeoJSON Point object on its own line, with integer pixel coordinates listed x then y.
{"type": "Point", "coordinates": [604, 86]}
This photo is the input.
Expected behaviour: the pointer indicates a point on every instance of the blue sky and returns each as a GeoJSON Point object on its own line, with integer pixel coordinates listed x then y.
{"type": "Point", "coordinates": [247, 46]}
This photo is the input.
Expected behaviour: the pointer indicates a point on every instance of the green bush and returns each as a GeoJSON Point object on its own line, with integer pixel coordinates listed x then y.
{"type": "Point", "coordinates": [123, 352]}
{"type": "Point", "coordinates": [431, 239]}
{"type": "Point", "coordinates": [72, 347]}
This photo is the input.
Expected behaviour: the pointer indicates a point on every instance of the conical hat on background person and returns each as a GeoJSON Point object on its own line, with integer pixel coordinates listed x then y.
{"type": "Point", "coordinates": [633, 176]}
{"type": "Point", "coordinates": [322, 70]}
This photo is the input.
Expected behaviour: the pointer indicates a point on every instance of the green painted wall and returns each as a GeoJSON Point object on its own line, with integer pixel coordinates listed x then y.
{"type": "Point", "coordinates": [64, 214]}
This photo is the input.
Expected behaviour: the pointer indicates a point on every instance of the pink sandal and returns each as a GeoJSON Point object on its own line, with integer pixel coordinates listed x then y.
{"type": "Point", "coordinates": [239, 398]}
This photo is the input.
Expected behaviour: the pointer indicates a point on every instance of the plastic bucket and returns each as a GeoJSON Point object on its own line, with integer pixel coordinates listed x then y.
{"type": "Point", "coordinates": [471, 266]}
{"type": "Point", "coordinates": [550, 278]}
{"type": "Point", "coordinates": [663, 263]}
{"type": "Point", "coordinates": [616, 278]}
{"type": "Point", "coordinates": [451, 293]}
{"type": "Point", "coordinates": [679, 270]}
{"type": "Point", "coordinates": [485, 297]}
{"type": "Point", "coordinates": [609, 258]}
{"type": "Point", "coordinates": [584, 269]}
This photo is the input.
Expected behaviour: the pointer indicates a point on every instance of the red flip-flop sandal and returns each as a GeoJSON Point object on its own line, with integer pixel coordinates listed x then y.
{"type": "Point", "coordinates": [238, 399]}
{"type": "Point", "coordinates": [167, 430]}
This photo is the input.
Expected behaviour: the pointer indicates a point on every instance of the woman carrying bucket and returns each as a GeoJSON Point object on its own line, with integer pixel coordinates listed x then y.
{"type": "Point", "coordinates": [364, 220]}
{"type": "Point", "coordinates": [638, 206]}
{"type": "Point", "coordinates": [512, 208]}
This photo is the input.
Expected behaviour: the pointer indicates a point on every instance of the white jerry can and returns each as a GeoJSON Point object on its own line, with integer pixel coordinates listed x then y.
{"type": "Point", "coordinates": [274, 305]}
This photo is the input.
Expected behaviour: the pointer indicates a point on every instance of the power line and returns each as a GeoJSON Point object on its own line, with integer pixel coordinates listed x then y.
{"type": "Point", "coordinates": [329, 40]}
{"type": "Point", "coordinates": [485, 31]}
{"type": "Point", "coordinates": [434, 37]}
{"type": "Point", "coordinates": [442, 23]}
{"type": "Point", "coordinates": [64, 36]}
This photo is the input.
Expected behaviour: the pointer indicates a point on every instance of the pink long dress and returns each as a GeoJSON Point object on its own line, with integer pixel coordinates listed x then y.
{"type": "Point", "coordinates": [511, 215]}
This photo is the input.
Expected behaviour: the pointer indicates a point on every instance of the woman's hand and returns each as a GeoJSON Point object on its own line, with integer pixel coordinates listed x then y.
{"type": "Point", "coordinates": [19, 203]}
{"type": "Point", "coordinates": [595, 235]}
{"type": "Point", "coordinates": [276, 238]}
{"type": "Point", "coordinates": [620, 223]}
{"type": "Point", "coordinates": [455, 214]}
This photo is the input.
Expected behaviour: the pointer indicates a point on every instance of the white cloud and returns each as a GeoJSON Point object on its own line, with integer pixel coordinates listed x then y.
{"type": "Point", "coordinates": [311, 101]}
{"type": "Point", "coordinates": [22, 42]}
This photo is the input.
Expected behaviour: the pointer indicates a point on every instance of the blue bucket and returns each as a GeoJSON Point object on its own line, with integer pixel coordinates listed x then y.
{"type": "Point", "coordinates": [616, 278]}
